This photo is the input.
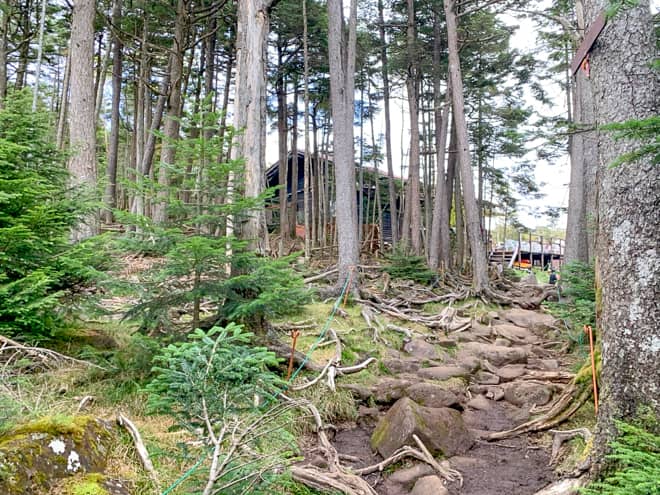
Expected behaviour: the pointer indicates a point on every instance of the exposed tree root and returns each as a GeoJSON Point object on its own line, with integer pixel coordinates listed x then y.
{"type": "Point", "coordinates": [562, 436]}
{"type": "Point", "coordinates": [332, 368]}
{"type": "Point", "coordinates": [349, 481]}
{"type": "Point", "coordinates": [564, 407]}
{"type": "Point", "coordinates": [567, 486]}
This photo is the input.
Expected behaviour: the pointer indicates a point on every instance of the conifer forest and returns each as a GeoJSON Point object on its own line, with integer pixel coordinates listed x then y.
{"type": "Point", "coordinates": [346, 247]}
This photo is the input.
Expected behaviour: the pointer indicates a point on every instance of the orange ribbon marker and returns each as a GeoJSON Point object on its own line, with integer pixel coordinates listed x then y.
{"type": "Point", "coordinates": [587, 329]}
{"type": "Point", "coordinates": [294, 336]}
{"type": "Point", "coordinates": [348, 286]}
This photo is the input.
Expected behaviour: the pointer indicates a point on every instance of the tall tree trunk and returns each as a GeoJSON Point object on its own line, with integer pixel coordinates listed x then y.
{"type": "Point", "coordinates": [113, 147]}
{"type": "Point", "coordinates": [64, 103]}
{"type": "Point", "coordinates": [283, 165]}
{"type": "Point", "coordinates": [250, 111]}
{"type": "Point", "coordinates": [413, 209]}
{"type": "Point", "coordinates": [171, 126]}
{"type": "Point", "coordinates": [4, 26]}
{"type": "Point", "coordinates": [293, 211]}
{"type": "Point", "coordinates": [307, 190]}
{"type": "Point", "coordinates": [626, 87]}
{"type": "Point", "coordinates": [388, 131]}
{"type": "Point", "coordinates": [82, 122]}
{"type": "Point", "coordinates": [40, 49]}
{"type": "Point", "coordinates": [25, 10]}
{"type": "Point", "coordinates": [439, 243]}
{"type": "Point", "coordinates": [473, 224]}
{"type": "Point", "coordinates": [342, 84]}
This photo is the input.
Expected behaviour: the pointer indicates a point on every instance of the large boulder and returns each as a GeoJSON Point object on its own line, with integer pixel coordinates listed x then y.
{"type": "Point", "coordinates": [527, 393]}
{"type": "Point", "coordinates": [408, 476]}
{"type": "Point", "coordinates": [431, 395]}
{"type": "Point", "coordinates": [429, 485]}
{"type": "Point", "coordinates": [495, 354]}
{"type": "Point", "coordinates": [421, 349]}
{"type": "Point", "coordinates": [399, 365]}
{"type": "Point", "coordinates": [441, 429]}
{"type": "Point", "coordinates": [443, 372]}
{"type": "Point", "coordinates": [526, 318]}
{"type": "Point", "coordinates": [35, 456]}
{"type": "Point", "coordinates": [515, 334]}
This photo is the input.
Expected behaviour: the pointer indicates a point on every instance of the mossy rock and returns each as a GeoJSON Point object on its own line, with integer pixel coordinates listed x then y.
{"type": "Point", "coordinates": [34, 456]}
{"type": "Point", "coordinates": [92, 484]}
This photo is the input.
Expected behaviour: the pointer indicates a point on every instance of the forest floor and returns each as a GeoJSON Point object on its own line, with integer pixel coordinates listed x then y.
{"type": "Point", "coordinates": [499, 367]}
{"type": "Point", "coordinates": [489, 366]}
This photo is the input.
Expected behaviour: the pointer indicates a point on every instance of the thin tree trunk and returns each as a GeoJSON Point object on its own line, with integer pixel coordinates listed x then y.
{"type": "Point", "coordinates": [171, 126]}
{"type": "Point", "coordinates": [439, 244]}
{"type": "Point", "coordinates": [113, 149]}
{"type": "Point", "coordinates": [473, 224]}
{"type": "Point", "coordinates": [293, 212]}
{"type": "Point", "coordinates": [388, 131]}
{"type": "Point", "coordinates": [64, 103]}
{"type": "Point", "coordinates": [82, 125]}
{"type": "Point", "coordinates": [283, 166]}
{"type": "Point", "coordinates": [307, 193]}
{"type": "Point", "coordinates": [40, 49]}
{"type": "Point", "coordinates": [413, 208]}
{"type": "Point", "coordinates": [341, 51]}
{"type": "Point", "coordinates": [4, 26]}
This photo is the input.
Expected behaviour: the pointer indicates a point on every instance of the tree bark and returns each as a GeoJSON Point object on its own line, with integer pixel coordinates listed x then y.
{"type": "Point", "coordinates": [82, 122]}
{"type": "Point", "coordinates": [341, 52]}
{"type": "Point", "coordinates": [250, 111]}
{"type": "Point", "coordinates": [113, 146]}
{"type": "Point", "coordinates": [473, 224]}
{"type": "Point", "coordinates": [581, 225]}
{"type": "Point", "coordinates": [626, 87]}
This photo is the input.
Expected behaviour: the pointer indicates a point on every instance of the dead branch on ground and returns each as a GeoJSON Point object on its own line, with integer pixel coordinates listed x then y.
{"type": "Point", "coordinates": [140, 448]}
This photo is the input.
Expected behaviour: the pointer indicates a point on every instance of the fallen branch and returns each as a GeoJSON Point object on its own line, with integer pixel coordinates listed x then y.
{"type": "Point", "coordinates": [12, 351]}
{"type": "Point", "coordinates": [320, 276]}
{"type": "Point", "coordinates": [142, 452]}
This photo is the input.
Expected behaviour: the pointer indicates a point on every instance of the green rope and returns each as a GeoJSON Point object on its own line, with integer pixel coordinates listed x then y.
{"type": "Point", "coordinates": [194, 468]}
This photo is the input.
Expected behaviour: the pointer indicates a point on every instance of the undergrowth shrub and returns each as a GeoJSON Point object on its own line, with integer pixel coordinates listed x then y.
{"type": "Point", "coordinates": [36, 214]}
{"type": "Point", "coordinates": [636, 458]}
{"type": "Point", "coordinates": [577, 306]}
{"type": "Point", "coordinates": [220, 387]}
{"type": "Point", "coordinates": [405, 266]}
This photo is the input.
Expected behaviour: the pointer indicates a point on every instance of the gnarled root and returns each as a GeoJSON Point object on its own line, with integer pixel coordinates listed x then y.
{"type": "Point", "coordinates": [564, 407]}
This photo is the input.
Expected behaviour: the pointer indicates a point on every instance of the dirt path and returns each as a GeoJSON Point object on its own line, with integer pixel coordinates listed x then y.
{"type": "Point", "coordinates": [491, 364]}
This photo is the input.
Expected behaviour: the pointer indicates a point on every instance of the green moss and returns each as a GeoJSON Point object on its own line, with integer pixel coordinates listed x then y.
{"type": "Point", "coordinates": [55, 425]}
{"type": "Point", "coordinates": [91, 484]}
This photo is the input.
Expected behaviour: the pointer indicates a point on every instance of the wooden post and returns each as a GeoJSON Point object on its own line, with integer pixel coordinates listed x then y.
{"type": "Point", "coordinates": [519, 249]}
{"type": "Point", "coordinates": [542, 255]}
{"type": "Point", "coordinates": [531, 252]}
{"type": "Point", "coordinates": [551, 253]}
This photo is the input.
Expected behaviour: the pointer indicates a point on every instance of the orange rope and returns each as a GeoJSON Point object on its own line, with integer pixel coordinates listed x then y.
{"type": "Point", "coordinates": [348, 287]}
{"type": "Point", "coordinates": [294, 335]}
